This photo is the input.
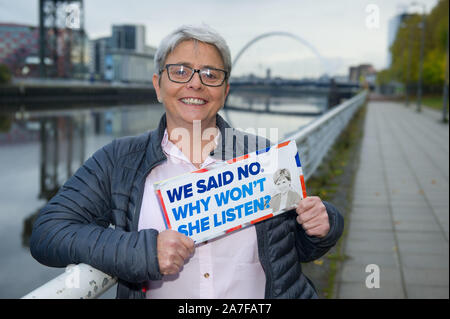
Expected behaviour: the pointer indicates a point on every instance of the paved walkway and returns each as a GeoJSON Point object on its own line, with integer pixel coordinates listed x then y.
{"type": "Point", "coordinates": [400, 216]}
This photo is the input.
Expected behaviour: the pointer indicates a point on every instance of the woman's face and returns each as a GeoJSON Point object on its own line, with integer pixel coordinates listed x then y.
{"type": "Point", "coordinates": [283, 185]}
{"type": "Point", "coordinates": [186, 102]}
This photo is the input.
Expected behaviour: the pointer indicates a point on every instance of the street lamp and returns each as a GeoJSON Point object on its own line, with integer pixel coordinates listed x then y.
{"type": "Point", "coordinates": [445, 93]}
{"type": "Point", "coordinates": [408, 69]}
{"type": "Point", "coordinates": [422, 44]}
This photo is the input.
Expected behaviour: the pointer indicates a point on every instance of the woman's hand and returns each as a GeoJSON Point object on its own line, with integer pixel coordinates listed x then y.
{"type": "Point", "coordinates": [313, 216]}
{"type": "Point", "coordinates": [173, 249]}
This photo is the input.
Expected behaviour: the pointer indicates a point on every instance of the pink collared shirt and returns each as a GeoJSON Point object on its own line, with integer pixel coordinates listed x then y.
{"type": "Point", "coordinates": [226, 267]}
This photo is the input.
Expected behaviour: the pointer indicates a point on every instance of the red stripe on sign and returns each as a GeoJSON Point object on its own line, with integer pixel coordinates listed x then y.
{"type": "Point", "coordinates": [233, 229]}
{"type": "Point", "coordinates": [164, 208]}
{"type": "Point", "coordinates": [201, 170]}
{"type": "Point", "coordinates": [237, 159]}
{"type": "Point", "coordinates": [282, 144]}
{"type": "Point", "coordinates": [302, 182]}
{"type": "Point", "coordinates": [261, 219]}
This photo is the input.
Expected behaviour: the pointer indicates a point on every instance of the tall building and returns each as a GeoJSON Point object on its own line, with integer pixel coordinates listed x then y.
{"type": "Point", "coordinates": [99, 48]}
{"type": "Point", "coordinates": [123, 57]}
{"type": "Point", "coordinates": [362, 72]}
{"type": "Point", "coordinates": [19, 51]}
{"type": "Point", "coordinates": [19, 43]}
{"type": "Point", "coordinates": [128, 37]}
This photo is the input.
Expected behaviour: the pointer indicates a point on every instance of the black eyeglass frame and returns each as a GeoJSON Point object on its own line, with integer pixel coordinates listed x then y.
{"type": "Point", "coordinates": [166, 67]}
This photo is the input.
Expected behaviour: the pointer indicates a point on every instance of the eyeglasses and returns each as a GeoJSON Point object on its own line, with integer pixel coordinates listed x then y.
{"type": "Point", "coordinates": [180, 73]}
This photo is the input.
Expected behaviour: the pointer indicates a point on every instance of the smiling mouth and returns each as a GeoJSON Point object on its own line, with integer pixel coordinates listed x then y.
{"type": "Point", "coordinates": [193, 101]}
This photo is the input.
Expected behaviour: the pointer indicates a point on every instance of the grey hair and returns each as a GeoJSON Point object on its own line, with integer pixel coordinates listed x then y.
{"type": "Point", "coordinates": [203, 33]}
{"type": "Point", "coordinates": [282, 173]}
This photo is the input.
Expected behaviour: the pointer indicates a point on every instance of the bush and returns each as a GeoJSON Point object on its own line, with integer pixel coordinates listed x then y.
{"type": "Point", "coordinates": [5, 74]}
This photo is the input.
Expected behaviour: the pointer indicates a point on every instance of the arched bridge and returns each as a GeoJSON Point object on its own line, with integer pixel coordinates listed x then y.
{"type": "Point", "coordinates": [283, 34]}
{"type": "Point", "coordinates": [283, 87]}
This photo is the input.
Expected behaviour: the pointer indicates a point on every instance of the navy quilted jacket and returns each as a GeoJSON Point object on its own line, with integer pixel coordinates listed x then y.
{"type": "Point", "coordinates": [94, 220]}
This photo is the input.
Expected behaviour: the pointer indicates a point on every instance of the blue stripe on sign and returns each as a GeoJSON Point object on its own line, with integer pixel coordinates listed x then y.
{"type": "Point", "coordinates": [297, 159]}
{"type": "Point", "coordinates": [262, 151]}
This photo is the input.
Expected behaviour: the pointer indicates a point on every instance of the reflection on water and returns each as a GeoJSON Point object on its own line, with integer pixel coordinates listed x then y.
{"type": "Point", "coordinates": [312, 105]}
{"type": "Point", "coordinates": [262, 112]}
{"type": "Point", "coordinates": [40, 150]}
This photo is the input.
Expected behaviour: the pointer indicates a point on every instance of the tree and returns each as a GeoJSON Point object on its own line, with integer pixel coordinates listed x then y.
{"type": "Point", "coordinates": [5, 74]}
{"type": "Point", "coordinates": [406, 49]}
{"type": "Point", "coordinates": [434, 69]}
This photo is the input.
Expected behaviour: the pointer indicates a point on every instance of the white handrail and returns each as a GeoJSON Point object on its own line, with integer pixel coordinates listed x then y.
{"type": "Point", "coordinates": [77, 282]}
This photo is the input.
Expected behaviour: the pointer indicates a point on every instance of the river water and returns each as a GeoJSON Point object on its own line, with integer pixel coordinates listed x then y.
{"type": "Point", "coordinates": [41, 148]}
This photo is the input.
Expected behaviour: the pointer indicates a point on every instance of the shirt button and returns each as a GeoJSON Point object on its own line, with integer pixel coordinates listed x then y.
{"type": "Point", "coordinates": [206, 275]}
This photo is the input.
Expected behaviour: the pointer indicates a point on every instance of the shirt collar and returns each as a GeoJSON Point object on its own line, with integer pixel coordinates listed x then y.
{"type": "Point", "coordinates": [174, 153]}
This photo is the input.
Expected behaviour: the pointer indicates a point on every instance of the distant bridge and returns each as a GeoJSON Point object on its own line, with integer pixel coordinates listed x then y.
{"type": "Point", "coordinates": [284, 34]}
{"type": "Point", "coordinates": [333, 92]}
{"type": "Point", "coordinates": [295, 87]}
{"type": "Point", "coordinates": [280, 87]}
{"type": "Point", "coordinates": [269, 110]}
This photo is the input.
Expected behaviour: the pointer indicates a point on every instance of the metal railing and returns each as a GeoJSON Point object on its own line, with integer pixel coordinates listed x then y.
{"type": "Point", "coordinates": [313, 141]}
{"type": "Point", "coordinates": [77, 282]}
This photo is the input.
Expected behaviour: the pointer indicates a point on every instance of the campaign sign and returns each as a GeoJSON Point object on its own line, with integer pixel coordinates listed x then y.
{"type": "Point", "coordinates": [231, 195]}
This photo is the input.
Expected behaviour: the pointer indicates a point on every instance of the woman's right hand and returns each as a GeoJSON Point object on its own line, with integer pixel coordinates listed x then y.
{"type": "Point", "coordinates": [173, 249]}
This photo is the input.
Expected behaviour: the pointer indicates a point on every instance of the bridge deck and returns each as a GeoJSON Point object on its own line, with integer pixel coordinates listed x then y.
{"type": "Point", "coordinates": [400, 215]}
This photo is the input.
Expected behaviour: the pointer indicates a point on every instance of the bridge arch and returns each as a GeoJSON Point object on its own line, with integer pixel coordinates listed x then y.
{"type": "Point", "coordinates": [285, 34]}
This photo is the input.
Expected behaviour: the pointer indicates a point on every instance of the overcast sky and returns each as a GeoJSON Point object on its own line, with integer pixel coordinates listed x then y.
{"type": "Point", "coordinates": [344, 32]}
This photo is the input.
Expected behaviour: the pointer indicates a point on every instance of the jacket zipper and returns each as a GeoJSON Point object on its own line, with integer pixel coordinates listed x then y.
{"type": "Point", "coordinates": [137, 209]}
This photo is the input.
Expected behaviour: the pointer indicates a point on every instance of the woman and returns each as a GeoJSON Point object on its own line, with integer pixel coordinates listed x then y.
{"type": "Point", "coordinates": [285, 197]}
{"type": "Point", "coordinates": [114, 187]}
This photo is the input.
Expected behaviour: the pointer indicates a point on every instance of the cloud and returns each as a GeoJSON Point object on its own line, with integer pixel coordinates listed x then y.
{"type": "Point", "coordinates": [335, 28]}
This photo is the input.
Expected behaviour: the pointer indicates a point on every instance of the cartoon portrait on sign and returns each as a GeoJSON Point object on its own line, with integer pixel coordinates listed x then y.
{"type": "Point", "coordinates": [285, 196]}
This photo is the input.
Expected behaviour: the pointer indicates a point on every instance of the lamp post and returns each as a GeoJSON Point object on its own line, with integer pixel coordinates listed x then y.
{"type": "Point", "coordinates": [408, 76]}
{"type": "Point", "coordinates": [403, 48]}
{"type": "Point", "coordinates": [407, 46]}
{"type": "Point", "coordinates": [422, 45]}
{"type": "Point", "coordinates": [445, 93]}
{"type": "Point", "coordinates": [42, 53]}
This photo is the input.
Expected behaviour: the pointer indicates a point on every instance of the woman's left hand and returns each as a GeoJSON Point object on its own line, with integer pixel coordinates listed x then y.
{"type": "Point", "coordinates": [313, 216]}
